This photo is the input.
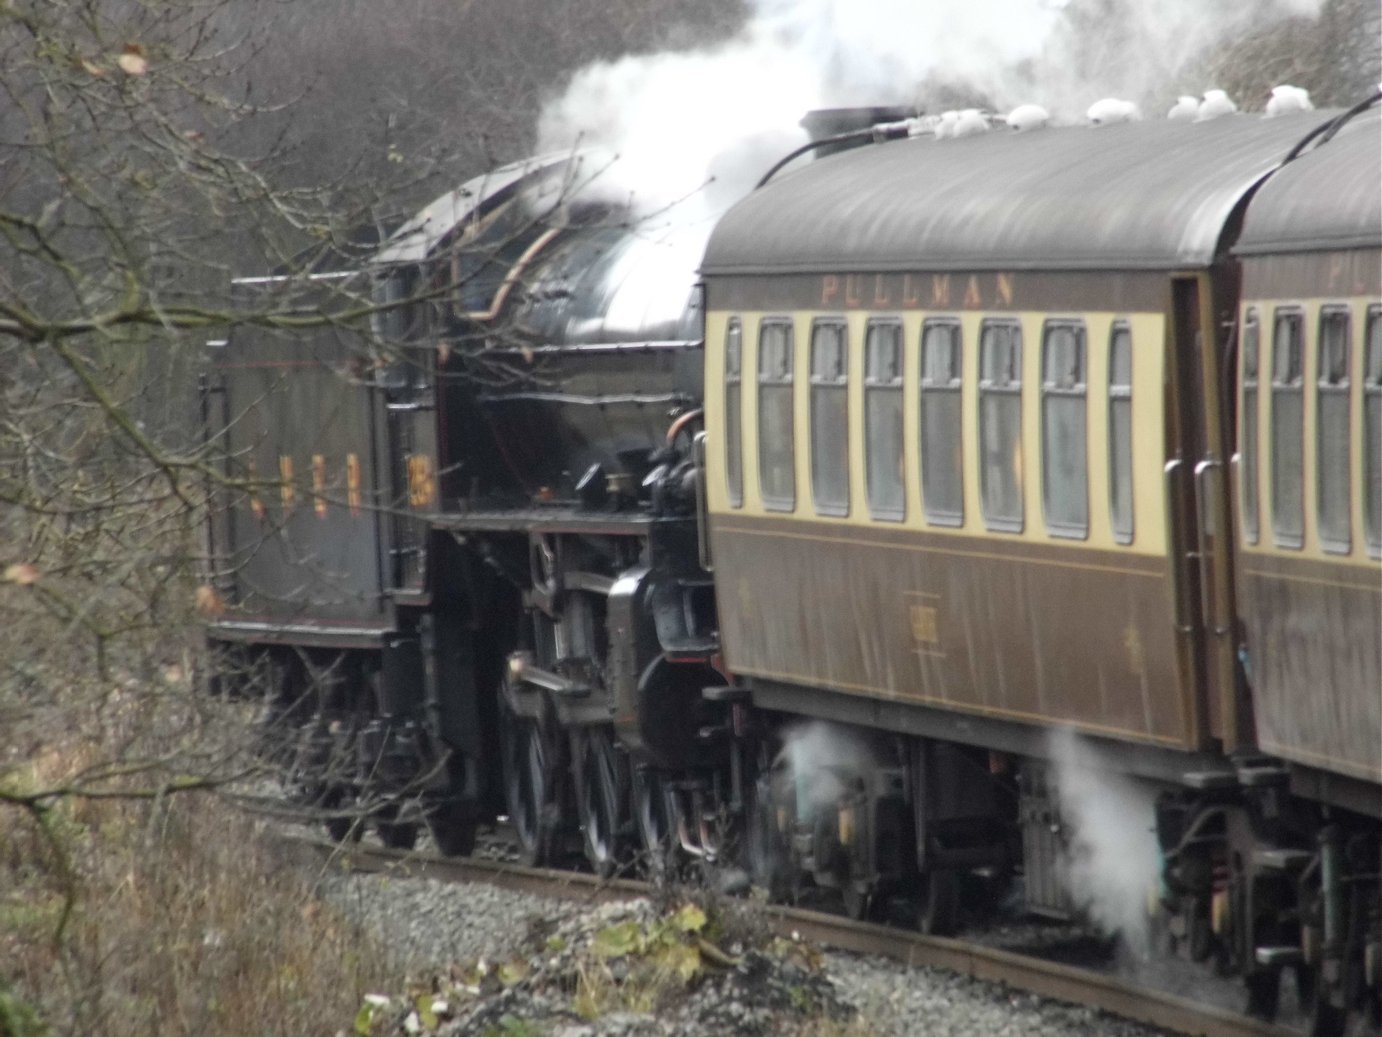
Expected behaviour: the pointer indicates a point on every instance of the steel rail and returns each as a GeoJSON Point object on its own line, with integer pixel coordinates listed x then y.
{"type": "Point", "coordinates": [990, 964]}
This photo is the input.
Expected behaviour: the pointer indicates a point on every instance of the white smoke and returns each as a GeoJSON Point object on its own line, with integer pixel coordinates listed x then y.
{"type": "Point", "coordinates": [1114, 861]}
{"type": "Point", "coordinates": [821, 758]}
{"type": "Point", "coordinates": [1087, 57]}
{"type": "Point", "coordinates": [685, 132]}
{"type": "Point", "coordinates": [693, 130]}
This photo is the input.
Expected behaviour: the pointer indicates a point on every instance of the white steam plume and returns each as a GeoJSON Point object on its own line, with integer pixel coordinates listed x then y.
{"type": "Point", "coordinates": [720, 115]}
{"type": "Point", "coordinates": [1114, 860]}
{"type": "Point", "coordinates": [820, 756]}
{"type": "Point", "coordinates": [687, 130]}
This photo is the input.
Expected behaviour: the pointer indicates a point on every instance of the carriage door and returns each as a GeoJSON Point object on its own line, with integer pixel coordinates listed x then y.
{"type": "Point", "coordinates": [1203, 372]}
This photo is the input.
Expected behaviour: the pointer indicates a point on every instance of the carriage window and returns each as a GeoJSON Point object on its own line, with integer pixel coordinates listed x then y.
{"type": "Point", "coordinates": [1064, 453]}
{"type": "Point", "coordinates": [776, 448]}
{"type": "Point", "coordinates": [1120, 432]}
{"type": "Point", "coordinates": [1372, 432]}
{"type": "Point", "coordinates": [830, 417]}
{"type": "Point", "coordinates": [883, 418]}
{"type": "Point", "coordinates": [734, 437]}
{"type": "Point", "coordinates": [1247, 446]}
{"type": "Point", "coordinates": [1000, 424]}
{"type": "Point", "coordinates": [1332, 457]}
{"type": "Point", "coordinates": [942, 479]}
{"type": "Point", "coordinates": [1288, 429]}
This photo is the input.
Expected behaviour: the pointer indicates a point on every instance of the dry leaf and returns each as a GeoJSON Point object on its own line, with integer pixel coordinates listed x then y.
{"type": "Point", "coordinates": [132, 60]}
{"type": "Point", "coordinates": [209, 602]}
{"type": "Point", "coordinates": [22, 573]}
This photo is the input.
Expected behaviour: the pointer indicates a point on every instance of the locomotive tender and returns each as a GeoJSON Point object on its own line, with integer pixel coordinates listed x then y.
{"type": "Point", "coordinates": [942, 445]}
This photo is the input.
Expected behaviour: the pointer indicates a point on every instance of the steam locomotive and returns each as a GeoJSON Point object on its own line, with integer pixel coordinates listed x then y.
{"type": "Point", "coordinates": [927, 448]}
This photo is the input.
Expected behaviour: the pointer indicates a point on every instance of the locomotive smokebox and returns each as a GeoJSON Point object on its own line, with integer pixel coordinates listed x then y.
{"type": "Point", "coordinates": [823, 123]}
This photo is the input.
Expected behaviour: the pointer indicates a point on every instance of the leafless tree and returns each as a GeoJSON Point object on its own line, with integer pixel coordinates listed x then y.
{"type": "Point", "coordinates": [150, 151]}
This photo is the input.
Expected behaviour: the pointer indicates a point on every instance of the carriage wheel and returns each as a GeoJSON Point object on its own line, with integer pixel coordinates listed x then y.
{"type": "Point", "coordinates": [938, 912]}
{"type": "Point", "coordinates": [768, 860]}
{"type": "Point", "coordinates": [859, 901]}
{"type": "Point", "coordinates": [601, 780]}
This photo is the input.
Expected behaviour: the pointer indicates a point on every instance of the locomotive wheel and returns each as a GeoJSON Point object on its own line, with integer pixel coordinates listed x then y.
{"type": "Point", "coordinates": [345, 827]}
{"type": "Point", "coordinates": [531, 787]}
{"type": "Point", "coordinates": [601, 780]}
{"type": "Point", "coordinates": [938, 910]}
{"type": "Point", "coordinates": [272, 734]}
{"type": "Point", "coordinates": [1304, 976]}
{"type": "Point", "coordinates": [1328, 1012]}
{"type": "Point", "coordinates": [653, 815]}
{"type": "Point", "coordinates": [1264, 993]}
{"type": "Point", "coordinates": [396, 835]}
{"type": "Point", "coordinates": [860, 903]}
{"type": "Point", "coordinates": [1326, 1018]}
{"type": "Point", "coordinates": [452, 827]}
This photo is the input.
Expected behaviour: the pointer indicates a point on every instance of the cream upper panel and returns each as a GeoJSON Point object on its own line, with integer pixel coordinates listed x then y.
{"type": "Point", "coordinates": [1312, 546]}
{"type": "Point", "coordinates": [1148, 332]}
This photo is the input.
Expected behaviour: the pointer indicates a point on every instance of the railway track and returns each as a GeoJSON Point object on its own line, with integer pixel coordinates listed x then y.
{"type": "Point", "coordinates": [1020, 971]}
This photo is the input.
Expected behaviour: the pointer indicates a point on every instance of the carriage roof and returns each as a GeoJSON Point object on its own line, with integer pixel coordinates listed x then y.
{"type": "Point", "coordinates": [1144, 195]}
{"type": "Point", "coordinates": [1329, 198]}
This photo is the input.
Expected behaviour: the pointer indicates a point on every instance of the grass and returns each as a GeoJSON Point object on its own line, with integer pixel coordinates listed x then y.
{"type": "Point", "coordinates": [179, 920]}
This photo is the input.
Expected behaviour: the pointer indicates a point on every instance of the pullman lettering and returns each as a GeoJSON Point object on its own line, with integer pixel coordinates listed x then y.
{"type": "Point", "coordinates": [917, 291]}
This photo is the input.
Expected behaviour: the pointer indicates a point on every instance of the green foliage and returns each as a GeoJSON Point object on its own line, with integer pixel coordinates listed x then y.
{"type": "Point", "coordinates": [807, 955]}
{"type": "Point", "coordinates": [17, 1019]}
{"type": "Point", "coordinates": [364, 1019]}
{"type": "Point", "coordinates": [636, 965]}
{"type": "Point", "coordinates": [512, 1026]}
{"type": "Point", "coordinates": [689, 919]}
{"type": "Point", "coordinates": [426, 1013]}
{"type": "Point", "coordinates": [631, 938]}
{"type": "Point", "coordinates": [512, 973]}
{"type": "Point", "coordinates": [616, 941]}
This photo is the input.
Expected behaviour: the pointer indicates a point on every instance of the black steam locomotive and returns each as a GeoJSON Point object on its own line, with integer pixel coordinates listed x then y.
{"type": "Point", "coordinates": [786, 544]}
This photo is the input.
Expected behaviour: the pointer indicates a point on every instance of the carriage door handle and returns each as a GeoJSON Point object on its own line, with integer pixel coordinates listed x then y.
{"type": "Point", "coordinates": [1177, 550]}
{"type": "Point", "coordinates": [1202, 499]}
{"type": "Point", "coordinates": [702, 503]}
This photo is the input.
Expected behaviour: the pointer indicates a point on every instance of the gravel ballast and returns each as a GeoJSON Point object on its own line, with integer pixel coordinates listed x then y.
{"type": "Point", "coordinates": [505, 963]}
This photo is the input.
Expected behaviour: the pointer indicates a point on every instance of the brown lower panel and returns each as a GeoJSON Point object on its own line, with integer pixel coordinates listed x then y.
{"type": "Point", "coordinates": [980, 625]}
{"type": "Point", "coordinates": [1314, 659]}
